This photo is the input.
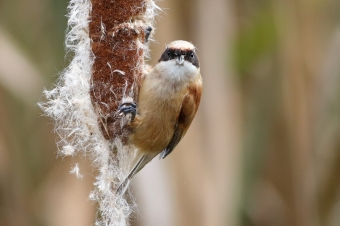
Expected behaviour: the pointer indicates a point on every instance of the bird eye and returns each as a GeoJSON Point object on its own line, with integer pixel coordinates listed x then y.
{"type": "Point", "coordinates": [192, 55]}
{"type": "Point", "coordinates": [169, 54]}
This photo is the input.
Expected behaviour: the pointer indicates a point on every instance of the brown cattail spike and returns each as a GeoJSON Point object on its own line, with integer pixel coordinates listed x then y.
{"type": "Point", "coordinates": [118, 35]}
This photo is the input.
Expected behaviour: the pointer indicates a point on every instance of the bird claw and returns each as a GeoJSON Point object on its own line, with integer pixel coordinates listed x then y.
{"type": "Point", "coordinates": [148, 31]}
{"type": "Point", "coordinates": [128, 108]}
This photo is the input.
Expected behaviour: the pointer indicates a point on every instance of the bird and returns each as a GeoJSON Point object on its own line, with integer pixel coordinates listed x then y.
{"type": "Point", "coordinates": [168, 100]}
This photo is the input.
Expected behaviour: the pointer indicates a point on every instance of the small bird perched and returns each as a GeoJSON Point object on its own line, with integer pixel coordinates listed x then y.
{"type": "Point", "coordinates": [167, 103]}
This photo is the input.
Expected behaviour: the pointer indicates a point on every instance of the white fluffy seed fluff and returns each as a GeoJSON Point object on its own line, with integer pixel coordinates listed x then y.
{"type": "Point", "coordinates": [69, 104]}
{"type": "Point", "coordinates": [76, 171]}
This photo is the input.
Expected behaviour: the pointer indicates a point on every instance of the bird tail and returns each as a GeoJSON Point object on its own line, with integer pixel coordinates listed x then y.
{"type": "Point", "coordinates": [141, 160]}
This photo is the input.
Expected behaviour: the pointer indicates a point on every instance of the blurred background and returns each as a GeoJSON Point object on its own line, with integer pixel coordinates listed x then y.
{"type": "Point", "coordinates": [264, 148]}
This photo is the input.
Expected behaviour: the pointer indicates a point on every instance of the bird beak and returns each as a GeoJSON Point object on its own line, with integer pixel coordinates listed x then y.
{"type": "Point", "coordinates": [180, 60]}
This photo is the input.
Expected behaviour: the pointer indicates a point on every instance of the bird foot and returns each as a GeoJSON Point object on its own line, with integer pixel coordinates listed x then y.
{"type": "Point", "coordinates": [128, 108]}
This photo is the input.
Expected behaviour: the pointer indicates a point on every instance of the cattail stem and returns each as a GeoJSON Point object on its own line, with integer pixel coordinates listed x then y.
{"type": "Point", "coordinates": [109, 43]}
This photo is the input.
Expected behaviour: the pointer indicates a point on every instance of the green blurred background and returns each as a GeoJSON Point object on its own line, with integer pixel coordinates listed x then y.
{"type": "Point", "coordinates": [264, 149]}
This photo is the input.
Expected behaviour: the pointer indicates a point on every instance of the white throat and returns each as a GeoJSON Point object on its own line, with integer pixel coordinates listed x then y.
{"type": "Point", "coordinates": [177, 73]}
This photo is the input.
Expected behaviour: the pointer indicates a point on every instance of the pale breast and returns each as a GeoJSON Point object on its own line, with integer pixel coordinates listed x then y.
{"type": "Point", "coordinates": [159, 106]}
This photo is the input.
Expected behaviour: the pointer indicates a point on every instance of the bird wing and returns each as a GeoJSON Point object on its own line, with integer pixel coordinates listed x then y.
{"type": "Point", "coordinates": [187, 113]}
